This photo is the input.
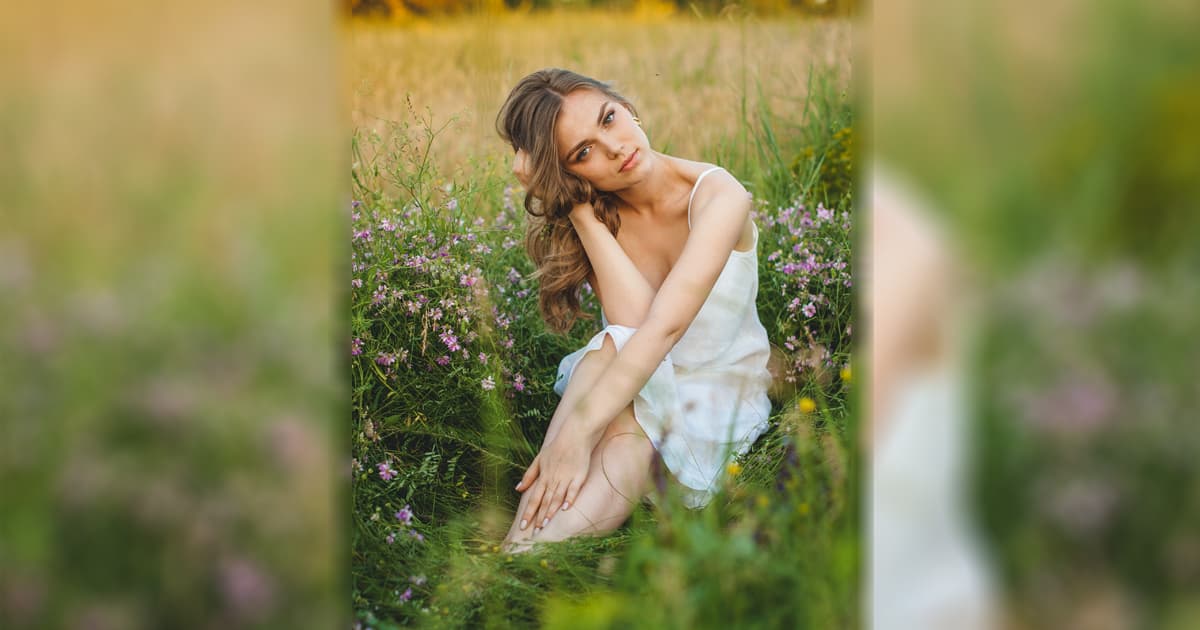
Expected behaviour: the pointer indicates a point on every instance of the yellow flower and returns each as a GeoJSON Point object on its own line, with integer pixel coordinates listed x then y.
{"type": "Point", "coordinates": [762, 500]}
{"type": "Point", "coordinates": [807, 405]}
{"type": "Point", "coordinates": [734, 469]}
{"type": "Point", "coordinates": [846, 374]}
{"type": "Point", "coordinates": [495, 548]}
{"type": "Point", "coordinates": [545, 565]}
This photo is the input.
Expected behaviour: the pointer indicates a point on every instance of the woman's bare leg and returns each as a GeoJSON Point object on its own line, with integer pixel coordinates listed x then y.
{"type": "Point", "coordinates": [587, 371]}
{"type": "Point", "coordinates": [618, 477]}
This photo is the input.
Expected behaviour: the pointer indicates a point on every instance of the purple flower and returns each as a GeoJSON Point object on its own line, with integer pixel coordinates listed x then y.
{"type": "Point", "coordinates": [385, 359]}
{"type": "Point", "coordinates": [443, 360]}
{"type": "Point", "coordinates": [404, 515]}
{"type": "Point", "coordinates": [364, 235]}
{"type": "Point", "coordinates": [386, 472]}
{"type": "Point", "coordinates": [356, 283]}
{"type": "Point", "coordinates": [489, 384]}
{"type": "Point", "coordinates": [809, 310]}
{"type": "Point", "coordinates": [406, 595]}
{"type": "Point", "coordinates": [513, 275]}
{"type": "Point", "coordinates": [823, 213]}
{"type": "Point", "coordinates": [519, 383]}
{"type": "Point", "coordinates": [467, 281]}
{"type": "Point", "coordinates": [450, 340]}
{"type": "Point", "coordinates": [415, 534]}
{"type": "Point", "coordinates": [391, 538]}
{"type": "Point", "coordinates": [483, 358]}
{"type": "Point", "coordinates": [356, 347]}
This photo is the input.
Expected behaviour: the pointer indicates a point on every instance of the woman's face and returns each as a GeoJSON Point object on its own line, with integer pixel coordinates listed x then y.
{"type": "Point", "coordinates": [598, 140]}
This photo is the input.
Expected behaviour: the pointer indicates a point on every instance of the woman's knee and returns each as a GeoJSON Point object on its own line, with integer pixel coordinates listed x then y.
{"type": "Point", "coordinates": [624, 455]}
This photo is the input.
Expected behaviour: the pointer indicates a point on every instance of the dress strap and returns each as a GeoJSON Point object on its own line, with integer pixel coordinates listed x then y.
{"type": "Point", "coordinates": [693, 195]}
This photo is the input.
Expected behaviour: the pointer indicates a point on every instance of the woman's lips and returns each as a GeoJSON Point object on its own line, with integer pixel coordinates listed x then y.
{"type": "Point", "coordinates": [629, 161]}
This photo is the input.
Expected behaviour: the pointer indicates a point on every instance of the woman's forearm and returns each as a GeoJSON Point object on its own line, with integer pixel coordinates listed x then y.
{"type": "Point", "coordinates": [628, 293]}
{"type": "Point", "coordinates": [623, 378]}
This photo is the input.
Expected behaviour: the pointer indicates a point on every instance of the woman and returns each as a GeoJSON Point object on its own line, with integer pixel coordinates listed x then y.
{"type": "Point", "coordinates": [667, 244]}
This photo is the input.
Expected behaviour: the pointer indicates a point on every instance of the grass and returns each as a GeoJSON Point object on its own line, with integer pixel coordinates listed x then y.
{"type": "Point", "coordinates": [441, 433]}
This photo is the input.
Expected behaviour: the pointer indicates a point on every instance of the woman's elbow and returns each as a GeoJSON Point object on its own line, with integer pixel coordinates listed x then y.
{"type": "Point", "coordinates": [630, 315]}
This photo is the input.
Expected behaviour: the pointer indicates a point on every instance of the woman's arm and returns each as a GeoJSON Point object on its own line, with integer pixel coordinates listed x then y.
{"type": "Point", "coordinates": [624, 292]}
{"type": "Point", "coordinates": [719, 214]}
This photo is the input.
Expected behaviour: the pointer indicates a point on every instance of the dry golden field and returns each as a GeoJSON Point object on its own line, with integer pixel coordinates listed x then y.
{"type": "Point", "coordinates": [690, 78]}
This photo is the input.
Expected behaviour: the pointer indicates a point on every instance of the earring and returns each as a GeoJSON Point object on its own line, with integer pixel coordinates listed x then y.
{"type": "Point", "coordinates": [637, 121]}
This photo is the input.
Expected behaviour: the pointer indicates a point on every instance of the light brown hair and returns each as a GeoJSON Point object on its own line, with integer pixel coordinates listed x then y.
{"type": "Point", "coordinates": [527, 121]}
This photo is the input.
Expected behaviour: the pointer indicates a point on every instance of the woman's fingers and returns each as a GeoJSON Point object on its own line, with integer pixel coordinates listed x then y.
{"type": "Point", "coordinates": [530, 475]}
{"type": "Point", "coordinates": [521, 167]}
{"type": "Point", "coordinates": [556, 500]}
{"type": "Point", "coordinates": [542, 518]}
{"type": "Point", "coordinates": [535, 501]}
{"type": "Point", "coordinates": [572, 492]}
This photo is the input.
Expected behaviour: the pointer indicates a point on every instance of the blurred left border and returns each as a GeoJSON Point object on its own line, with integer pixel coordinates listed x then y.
{"type": "Point", "coordinates": [172, 203]}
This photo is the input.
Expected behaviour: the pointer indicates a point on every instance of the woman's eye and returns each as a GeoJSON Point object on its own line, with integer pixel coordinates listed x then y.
{"type": "Point", "coordinates": [583, 153]}
{"type": "Point", "coordinates": [609, 118]}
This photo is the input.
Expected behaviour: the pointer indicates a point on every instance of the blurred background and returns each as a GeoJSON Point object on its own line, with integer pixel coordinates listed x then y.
{"type": "Point", "coordinates": [174, 199]}
{"type": "Point", "coordinates": [168, 188]}
{"type": "Point", "coordinates": [1049, 154]}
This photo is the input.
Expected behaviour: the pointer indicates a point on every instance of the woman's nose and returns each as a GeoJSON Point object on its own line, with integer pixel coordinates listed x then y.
{"type": "Point", "coordinates": [613, 146]}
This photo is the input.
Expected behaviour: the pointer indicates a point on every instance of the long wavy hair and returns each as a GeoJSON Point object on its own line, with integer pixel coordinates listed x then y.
{"type": "Point", "coordinates": [526, 121]}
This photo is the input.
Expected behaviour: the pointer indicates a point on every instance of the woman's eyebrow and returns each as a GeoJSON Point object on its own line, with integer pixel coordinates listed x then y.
{"type": "Point", "coordinates": [599, 120]}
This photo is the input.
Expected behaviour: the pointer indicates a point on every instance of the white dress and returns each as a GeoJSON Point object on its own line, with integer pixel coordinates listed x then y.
{"type": "Point", "coordinates": [708, 399]}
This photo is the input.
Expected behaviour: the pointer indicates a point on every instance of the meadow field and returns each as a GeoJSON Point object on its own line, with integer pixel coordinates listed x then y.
{"type": "Point", "coordinates": [452, 367]}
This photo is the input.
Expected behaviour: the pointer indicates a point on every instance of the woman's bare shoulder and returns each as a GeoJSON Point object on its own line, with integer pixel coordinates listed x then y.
{"type": "Point", "coordinates": [688, 169]}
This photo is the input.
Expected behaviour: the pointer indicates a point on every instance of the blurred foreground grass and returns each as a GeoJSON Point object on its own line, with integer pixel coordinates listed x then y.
{"type": "Point", "coordinates": [1059, 145]}
{"type": "Point", "coordinates": [165, 285]}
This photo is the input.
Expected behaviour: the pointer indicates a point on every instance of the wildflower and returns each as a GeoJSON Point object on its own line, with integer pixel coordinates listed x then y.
{"type": "Point", "coordinates": [846, 374]}
{"type": "Point", "coordinates": [450, 340]}
{"type": "Point", "coordinates": [809, 310]}
{"type": "Point", "coordinates": [362, 235]}
{"type": "Point", "coordinates": [807, 405]}
{"type": "Point", "coordinates": [356, 283]}
{"type": "Point", "coordinates": [483, 358]}
{"type": "Point", "coordinates": [762, 501]}
{"type": "Point", "coordinates": [415, 534]}
{"type": "Point", "coordinates": [824, 214]}
{"type": "Point", "coordinates": [467, 281]}
{"type": "Point", "coordinates": [386, 472]}
{"type": "Point", "coordinates": [794, 304]}
{"type": "Point", "coordinates": [406, 595]}
{"type": "Point", "coordinates": [356, 347]}
{"type": "Point", "coordinates": [391, 539]}
{"type": "Point", "coordinates": [519, 383]}
{"type": "Point", "coordinates": [489, 384]}
{"type": "Point", "coordinates": [404, 515]}
{"type": "Point", "coordinates": [418, 580]}
{"type": "Point", "coordinates": [379, 296]}
{"type": "Point", "coordinates": [734, 469]}
{"type": "Point", "coordinates": [385, 359]}
{"type": "Point", "coordinates": [443, 360]}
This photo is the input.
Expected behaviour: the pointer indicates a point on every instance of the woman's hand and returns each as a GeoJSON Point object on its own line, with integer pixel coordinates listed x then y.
{"type": "Point", "coordinates": [555, 477]}
{"type": "Point", "coordinates": [584, 214]}
{"type": "Point", "coordinates": [522, 168]}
